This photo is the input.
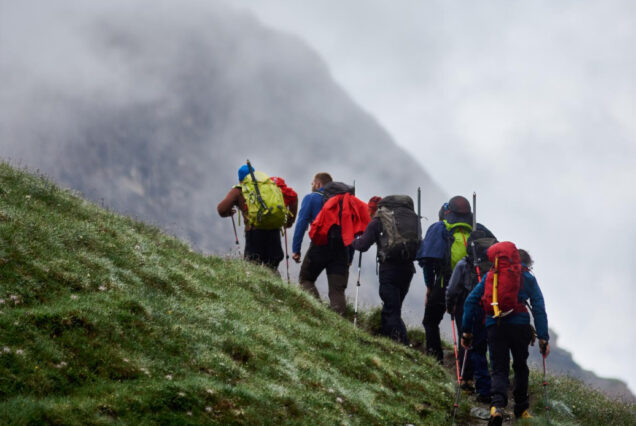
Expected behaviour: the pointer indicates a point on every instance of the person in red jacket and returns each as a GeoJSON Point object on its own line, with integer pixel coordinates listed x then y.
{"type": "Point", "coordinates": [340, 219]}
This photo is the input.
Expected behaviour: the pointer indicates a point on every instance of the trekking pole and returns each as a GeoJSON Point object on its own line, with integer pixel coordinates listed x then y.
{"type": "Point", "coordinates": [286, 253]}
{"type": "Point", "coordinates": [458, 393]}
{"type": "Point", "coordinates": [258, 192]}
{"type": "Point", "coordinates": [355, 306]}
{"type": "Point", "coordinates": [457, 367]}
{"type": "Point", "coordinates": [545, 387]}
{"type": "Point", "coordinates": [419, 203]}
{"type": "Point", "coordinates": [234, 226]}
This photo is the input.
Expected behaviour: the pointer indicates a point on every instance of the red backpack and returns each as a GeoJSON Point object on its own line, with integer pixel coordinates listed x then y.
{"type": "Point", "coordinates": [503, 282]}
{"type": "Point", "coordinates": [289, 195]}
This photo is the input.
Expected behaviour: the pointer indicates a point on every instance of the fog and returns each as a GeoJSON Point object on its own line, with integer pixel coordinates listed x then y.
{"type": "Point", "coordinates": [532, 104]}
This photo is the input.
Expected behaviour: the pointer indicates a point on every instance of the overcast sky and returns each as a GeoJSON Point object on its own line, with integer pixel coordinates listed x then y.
{"type": "Point", "coordinates": [532, 104]}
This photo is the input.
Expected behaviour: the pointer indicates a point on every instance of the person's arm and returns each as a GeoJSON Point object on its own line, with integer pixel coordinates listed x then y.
{"type": "Point", "coordinates": [226, 206]}
{"type": "Point", "coordinates": [368, 237]}
{"type": "Point", "coordinates": [303, 221]}
{"type": "Point", "coordinates": [538, 306]}
{"type": "Point", "coordinates": [431, 268]}
{"type": "Point", "coordinates": [455, 286]}
{"type": "Point", "coordinates": [472, 307]}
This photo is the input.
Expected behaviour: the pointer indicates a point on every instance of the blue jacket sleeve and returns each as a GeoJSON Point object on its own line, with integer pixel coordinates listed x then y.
{"type": "Point", "coordinates": [472, 307]}
{"type": "Point", "coordinates": [434, 243]}
{"type": "Point", "coordinates": [302, 222]}
{"type": "Point", "coordinates": [531, 287]}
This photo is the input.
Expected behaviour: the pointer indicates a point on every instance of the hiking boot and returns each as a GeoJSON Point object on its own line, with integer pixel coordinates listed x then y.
{"type": "Point", "coordinates": [525, 415]}
{"type": "Point", "coordinates": [467, 385]}
{"type": "Point", "coordinates": [496, 416]}
{"type": "Point", "coordinates": [484, 399]}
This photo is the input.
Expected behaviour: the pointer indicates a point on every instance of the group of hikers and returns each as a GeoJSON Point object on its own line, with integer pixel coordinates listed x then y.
{"type": "Point", "coordinates": [485, 284]}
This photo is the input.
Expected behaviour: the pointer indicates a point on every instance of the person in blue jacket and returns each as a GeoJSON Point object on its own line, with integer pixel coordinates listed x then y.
{"type": "Point", "coordinates": [437, 259]}
{"type": "Point", "coordinates": [509, 334]}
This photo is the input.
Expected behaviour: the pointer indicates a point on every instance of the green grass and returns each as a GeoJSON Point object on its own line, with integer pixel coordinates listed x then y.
{"type": "Point", "coordinates": [105, 320]}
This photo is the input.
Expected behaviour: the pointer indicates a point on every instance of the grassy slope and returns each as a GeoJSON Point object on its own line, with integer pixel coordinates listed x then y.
{"type": "Point", "coordinates": [106, 320]}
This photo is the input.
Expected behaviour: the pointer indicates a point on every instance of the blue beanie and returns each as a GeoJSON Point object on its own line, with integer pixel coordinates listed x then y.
{"type": "Point", "coordinates": [244, 171]}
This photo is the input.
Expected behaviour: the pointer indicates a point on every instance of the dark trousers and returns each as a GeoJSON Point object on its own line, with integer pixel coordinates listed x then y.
{"type": "Point", "coordinates": [263, 246]}
{"type": "Point", "coordinates": [476, 362]}
{"type": "Point", "coordinates": [503, 340]}
{"type": "Point", "coordinates": [334, 258]}
{"type": "Point", "coordinates": [394, 285]}
{"type": "Point", "coordinates": [433, 314]}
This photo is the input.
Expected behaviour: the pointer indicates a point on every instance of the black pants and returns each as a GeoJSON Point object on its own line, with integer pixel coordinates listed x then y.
{"type": "Point", "coordinates": [263, 246]}
{"type": "Point", "coordinates": [503, 340]}
{"type": "Point", "coordinates": [334, 257]}
{"type": "Point", "coordinates": [433, 314]}
{"type": "Point", "coordinates": [394, 285]}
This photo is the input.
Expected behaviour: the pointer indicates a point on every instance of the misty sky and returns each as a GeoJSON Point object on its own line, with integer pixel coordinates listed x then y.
{"type": "Point", "coordinates": [533, 105]}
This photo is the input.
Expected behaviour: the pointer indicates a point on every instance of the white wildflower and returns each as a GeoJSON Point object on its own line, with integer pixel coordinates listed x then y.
{"type": "Point", "coordinates": [74, 296]}
{"type": "Point", "coordinates": [1, 301]}
{"type": "Point", "coordinates": [126, 360]}
{"type": "Point", "coordinates": [137, 247]}
{"type": "Point", "coordinates": [14, 297]}
{"type": "Point", "coordinates": [19, 352]}
{"type": "Point", "coordinates": [189, 413]}
{"type": "Point", "coordinates": [181, 394]}
{"type": "Point", "coordinates": [102, 288]}
{"type": "Point", "coordinates": [61, 364]}
{"type": "Point", "coordinates": [208, 409]}
{"type": "Point", "coordinates": [28, 197]}
{"type": "Point", "coordinates": [339, 400]}
{"type": "Point", "coordinates": [169, 376]}
{"type": "Point", "coordinates": [16, 323]}
{"type": "Point", "coordinates": [330, 390]}
{"type": "Point", "coordinates": [210, 391]}
{"type": "Point", "coordinates": [6, 350]}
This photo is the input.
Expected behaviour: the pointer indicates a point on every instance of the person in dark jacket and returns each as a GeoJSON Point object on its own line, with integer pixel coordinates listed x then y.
{"type": "Point", "coordinates": [435, 258]}
{"type": "Point", "coordinates": [509, 334]}
{"type": "Point", "coordinates": [395, 277]}
{"type": "Point", "coordinates": [465, 277]}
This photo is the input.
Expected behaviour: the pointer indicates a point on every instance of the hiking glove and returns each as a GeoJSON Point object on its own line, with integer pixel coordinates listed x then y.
{"type": "Point", "coordinates": [467, 340]}
{"type": "Point", "coordinates": [544, 347]}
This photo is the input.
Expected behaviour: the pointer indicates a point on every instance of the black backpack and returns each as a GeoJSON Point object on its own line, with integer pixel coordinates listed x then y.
{"type": "Point", "coordinates": [401, 229]}
{"type": "Point", "coordinates": [477, 257]}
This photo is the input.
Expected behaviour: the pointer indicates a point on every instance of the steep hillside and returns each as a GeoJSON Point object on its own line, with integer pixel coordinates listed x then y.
{"type": "Point", "coordinates": [104, 319]}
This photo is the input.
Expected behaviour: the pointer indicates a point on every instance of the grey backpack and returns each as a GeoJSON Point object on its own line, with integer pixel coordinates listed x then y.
{"type": "Point", "coordinates": [401, 229]}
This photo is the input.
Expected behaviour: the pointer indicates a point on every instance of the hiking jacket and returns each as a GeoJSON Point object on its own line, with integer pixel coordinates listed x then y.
{"type": "Point", "coordinates": [530, 290]}
{"type": "Point", "coordinates": [370, 236]}
{"type": "Point", "coordinates": [433, 254]}
{"type": "Point", "coordinates": [353, 219]}
{"type": "Point", "coordinates": [309, 209]}
{"type": "Point", "coordinates": [234, 198]}
{"type": "Point", "coordinates": [459, 285]}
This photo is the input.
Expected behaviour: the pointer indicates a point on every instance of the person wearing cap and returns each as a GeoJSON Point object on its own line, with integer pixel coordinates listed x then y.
{"type": "Point", "coordinates": [262, 246]}
{"type": "Point", "coordinates": [437, 255]}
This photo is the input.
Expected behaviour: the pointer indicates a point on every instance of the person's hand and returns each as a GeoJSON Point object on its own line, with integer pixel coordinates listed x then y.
{"type": "Point", "coordinates": [467, 340]}
{"type": "Point", "coordinates": [232, 211]}
{"type": "Point", "coordinates": [544, 347]}
{"type": "Point", "coordinates": [296, 257]}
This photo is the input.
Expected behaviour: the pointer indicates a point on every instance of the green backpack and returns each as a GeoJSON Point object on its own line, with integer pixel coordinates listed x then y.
{"type": "Point", "coordinates": [271, 215]}
{"type": "Point", "coordinates": [460, 232]}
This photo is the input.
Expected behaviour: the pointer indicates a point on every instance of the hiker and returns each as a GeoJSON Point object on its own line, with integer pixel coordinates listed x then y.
{"type": "Point", "coordinates": [442, 247]}
{"type": "Point", "coordinates": [262, 229]}
{"type": "Point", "coordinates": [503, 294]}
{"type": "Point", "coordinates": [309, 209]}
{"type": "Point", "coordinates": [464, 279]}
{"type": "Point", "coordinates": [341, 218]}
{"type": "Point", "coordinates": [395, 229]}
